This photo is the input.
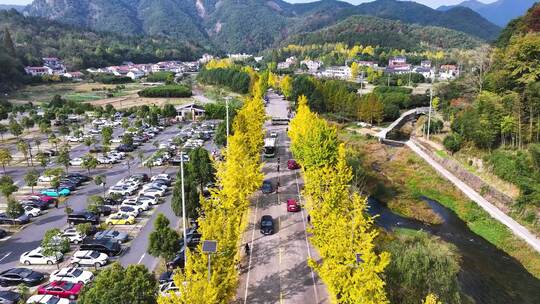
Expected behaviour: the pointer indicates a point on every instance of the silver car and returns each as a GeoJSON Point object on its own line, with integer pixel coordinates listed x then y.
{"type": "Point", "coordinates": [120, 237]}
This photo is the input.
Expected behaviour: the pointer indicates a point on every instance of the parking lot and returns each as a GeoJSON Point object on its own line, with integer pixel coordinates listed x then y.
{"type": "Point", "coordinates": [29, 236]}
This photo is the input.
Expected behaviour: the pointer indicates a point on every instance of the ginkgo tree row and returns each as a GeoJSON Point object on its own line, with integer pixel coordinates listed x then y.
{"type": "Point", "coordinates": [223, 214]}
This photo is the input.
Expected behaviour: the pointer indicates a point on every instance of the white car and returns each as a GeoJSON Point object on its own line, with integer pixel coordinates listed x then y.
{"type": "Point", "coordinates": [76, 161]}
{"type": "Point", "coordinates": [116, 140]}
{"type": "Point", "coordinates": [31, 211]}
{"type": "Point", "coordinates": [155, 185]}
{"type": "Point", "coordinates": [89, 258]}
{"type": "Point", "coordinates": [45, 179]}
{"type": "Point", "coordinates": [139, 205]}
{"type": "Point", "coordinates": [36, 257]}
{"type": "Point", "coordinates": [128, 210]}
{"type": "Point", "coordinates": [104, 160]}
{"type": "Point", "coordinates": [74, 138]}
{"type": "Point", "coordinates": [72, 275]}
{"type": "Point", "coordinates": [148, 199]}
{"type": "Point", "coordinates": [152, 192]}
{"type": "Point", "coordinates": [46, 299]}
{"type": "Point", "coordinates": [162, 176]}
{"type": "Point", "coordinates": [73, 235]}
{"type": "Point", "coordinates": [122, 190]}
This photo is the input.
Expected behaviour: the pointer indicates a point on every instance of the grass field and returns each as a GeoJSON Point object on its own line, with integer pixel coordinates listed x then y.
{"type": "Point", "coordinates": [398, 177]}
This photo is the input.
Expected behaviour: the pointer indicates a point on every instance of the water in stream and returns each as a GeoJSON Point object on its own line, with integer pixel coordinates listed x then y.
{"type": "Point", "coordinates": [488, 275]}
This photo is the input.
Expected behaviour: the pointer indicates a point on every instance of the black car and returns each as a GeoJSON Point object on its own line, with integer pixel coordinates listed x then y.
{"type": "Point", "coordinates": [36, 204]}
{"type": "Point", "coordinates": [104, 210]}
{"type": "Point", "coordinates": [161, 182]}
{"type": "Point", "coordinates": [107, 246]}
{"type": "Point", "coordinates": [142, 176]}
{"type": "Point", "coordinates": [21, 220]}
{"type": "Point", "coordinates": [3, 233]}
{"type": "Point", "coordinates": [73, 180]}
{"type": "Point", "coordinates": [112, 202]}
{"type": "Point", "coordinates": [67, 185]}
{"type": "Point", "coordinates": [166, 277]}
{"type": "Point", "coordinates": [267, 225]}
{"type": "Point", "coordinates": [125, 148]}
{"type": "Point", "coordinates": [83, 217]}
{"type": "Point", "coordinates": [81, 177]}
{"type": "Point", "coordinates": [267, 187]}
{"type": "Point", "coordinates": [96, 149]}
{"type": "Point", "coordinates": [193, 239]}
{"type": "Point", "coordinates": [9, 297]}
{"type": "Point", "coordinates": [16, 276]}
{"type": "Point", "coordinates": [177, 261]}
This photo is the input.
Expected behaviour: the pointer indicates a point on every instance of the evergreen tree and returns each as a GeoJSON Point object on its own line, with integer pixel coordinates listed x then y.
{"type": "Point", "coordinates": [8, 43]}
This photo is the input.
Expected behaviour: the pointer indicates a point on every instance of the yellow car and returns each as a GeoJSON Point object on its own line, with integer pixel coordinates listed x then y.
{"type": "Point", "coordinates": [120, 219]}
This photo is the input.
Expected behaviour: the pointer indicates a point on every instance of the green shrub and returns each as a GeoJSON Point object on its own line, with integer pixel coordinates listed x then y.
{"type": "Point", "coordinates": [167, 91]}
{"type": "Point", "coordinates": [453, 143]}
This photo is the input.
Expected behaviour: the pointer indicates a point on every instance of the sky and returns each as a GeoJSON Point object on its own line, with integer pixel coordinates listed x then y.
{"type": "Point", "coordinates": [432, 3]}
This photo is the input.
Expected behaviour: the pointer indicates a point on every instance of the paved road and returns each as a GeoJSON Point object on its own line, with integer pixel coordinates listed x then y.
{"type": "Point", "coordinates": [514, 226]}
{"type": "Point", "coordinates": [277, 270]}
{"type": "Point", "coordinates": [30, 237]}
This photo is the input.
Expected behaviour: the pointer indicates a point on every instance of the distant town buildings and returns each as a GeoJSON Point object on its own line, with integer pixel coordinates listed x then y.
{"type": "Point", "coordinates": [448, 72]}
{"type": "Point", "coordinates": [337, 72]}
{"type": "Point", "coordinates": [287, 64]}
{"type": "Point", "coordinates": [312, 65]}
{"type": "Point", "coordinates": [240, 57]}
{"type": "Point", "coordinates": [51, 66]}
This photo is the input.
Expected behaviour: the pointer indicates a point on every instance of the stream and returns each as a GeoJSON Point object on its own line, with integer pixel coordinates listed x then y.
{"type": "Point", "coordinates": [488, 275]}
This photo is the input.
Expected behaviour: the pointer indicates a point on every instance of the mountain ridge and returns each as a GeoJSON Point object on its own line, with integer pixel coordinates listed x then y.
{"type": "Point", "coordinates": [499, 12]}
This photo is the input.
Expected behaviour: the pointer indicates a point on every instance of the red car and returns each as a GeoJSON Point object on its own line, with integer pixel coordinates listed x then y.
{"type": "Point", "coordinates": [44, 198]}
{"type": "Point", "coordinates": [292, 164]}
{"type": "Point", "coordinates": [61, 289]}
{"type": "Point", "coordinates": [292, 205]}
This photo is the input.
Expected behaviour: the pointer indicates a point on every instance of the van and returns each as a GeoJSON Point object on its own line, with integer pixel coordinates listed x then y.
{"type": "Point", "coordinates": [82, 218]}
{"type": "Point", "coordinates": [107, 246]}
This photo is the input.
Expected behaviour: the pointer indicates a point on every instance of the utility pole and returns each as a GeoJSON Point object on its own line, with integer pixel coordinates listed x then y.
{"type": "Point", "coordinates": [183, 206]}
{"type": "Point", "coordinates": [429, 112]}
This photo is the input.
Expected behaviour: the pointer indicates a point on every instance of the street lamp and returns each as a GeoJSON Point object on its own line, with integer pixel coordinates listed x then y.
{"type": "Point", "coordinates": [209, 247]}
{"type": "Point", "coordinates": [183, 205]}
{"type": "Point", "coordinates": [227, 115]}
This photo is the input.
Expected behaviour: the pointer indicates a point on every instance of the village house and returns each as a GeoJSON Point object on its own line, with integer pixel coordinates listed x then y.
{"type": "Point", "coordinates": [239, 57]}
{"type": "Point", "coordinates": [135, 74]}
{"type": "Point", "coordinates": [38, 71]}
{"type": "Point", "coordinates": [448, 72]}
{"type": "Point", "coordinates": [312, 66]}
{"type": "Point", "coordinates": [338, 72]}
{"type": "Point", "coordinates": [206, 58]}
{"type": "Point", "coordinates": [74, 75]}
{"type": "Point", "coordinates": [190, 111]}
{"type": "Point", "coordinates": [287, 64]}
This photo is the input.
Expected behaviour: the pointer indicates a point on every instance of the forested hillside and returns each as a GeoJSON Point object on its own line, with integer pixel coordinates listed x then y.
{"type": "Point", "coordinates": [245, 25]}
{"type": "Point", "coordinates": [366, 30]}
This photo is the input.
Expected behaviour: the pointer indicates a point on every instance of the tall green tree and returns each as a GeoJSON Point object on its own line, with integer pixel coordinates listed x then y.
{"type": "Point", "coordinates": [8, 43]}
{"type": "Point", "coordinates": [7, 186]}
{"type": "Point", "coordinates": [116, 284]}
{"type": "Point", "coordinates": [64, 158]}
{"type": "Point", "coordinates": [164, 241]}
{"type": "Point", "coordinates": [200, 167]}
{"type": "Point", "coordinates": [5, 158]}
{"type": "Point", "coordinates": [31, 178]}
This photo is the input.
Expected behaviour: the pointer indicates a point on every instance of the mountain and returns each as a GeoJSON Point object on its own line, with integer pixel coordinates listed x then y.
{"type": "Point", "coordinates": [499, 12]}
{"type": "Point", "coordinates": [528, 23]}
{"type": "Point", "coordinates": [5, 7]}
{"type": "Point", "coordinates": [243, 25]}
{"type": "Point", "coordinates": [369, 30]}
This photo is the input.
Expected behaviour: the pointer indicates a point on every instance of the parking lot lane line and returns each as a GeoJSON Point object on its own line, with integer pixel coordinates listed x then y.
{"type": "Point", "coordinates": [142, 257]}
{"type": "Point", "coordinates": [252, 248]}
{"type": "Point", "coordinates": [5, 256]}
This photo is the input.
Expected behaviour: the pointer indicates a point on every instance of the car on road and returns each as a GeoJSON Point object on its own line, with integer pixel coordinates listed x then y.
{"type": "Point", "coordinates": [114, 235]}
{"type": "Point", "coordinates": [56, 193]}
{"type": "Point", "coordinates": [74, 236]}
{"type": "Point", "coordinates": [37, 257]}
{"type": "Point", "coordinates": [16, 276]}
{"type": "Point", "coordinates": [292, 164]}
{"type": "Point", "coordinates": [46, 299]}
{"type": "Point", "coordinates": [89, 258]}
{"type": "Point", "coordinates": [31, 211]}
{"type": "Point", "coordinates": [81, 217]}
{"type": "Point", "coordinates": [77, 161]}
{"type": "Point", "coordinates": [9, 297]}
{"type": "Point", "coordinates": [20, 220]}
{"type": "Point", "coordinates": [62, 289]}
{"type": "Point", "coordinates": [120, 219]}
{"type": "Point", "coordinates": [267, 187]}
{"type": "Point", "coordinates": [107, 246]}
{"type": "Point", "coordinates": [292, 205]}
{"type": "Point", "coordinates": [267, 225]}
{"type": "Point", "coordinates": [3, 234]}
{"type": "Point", "coordinates": [73, 275]}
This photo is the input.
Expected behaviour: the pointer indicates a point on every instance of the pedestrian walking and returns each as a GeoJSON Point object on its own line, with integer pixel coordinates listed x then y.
{"type": "Point", "coordinates": [309, 219]}
{"type": "Point", "coordinates": [56, 204]}
{"type": "Point", "coordinates": [246, 248]}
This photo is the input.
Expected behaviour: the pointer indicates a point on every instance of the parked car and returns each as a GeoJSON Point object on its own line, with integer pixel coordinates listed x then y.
{"type": "Point", "coordinates": [3, 234]}
{"type": "Point", "coordinates": [45, 179]}
{"type": "Point", "coordinates": [109, 247]}
{"type": "Point", "coordinates": [104, 160]}
{"type": "Point", "coordinates": [56, 193]}
{"type": "Point", "coordinates": [74, 236]}
{"type": "Point", "coordinates": [62, 289]}
{"type": "Point", "coordinates": [153, 191]}
{"type": "Point", "coordinates": [83, 217]}
{"type": "Point", "coordinates": [135, 203]}
{"type": "Point", "coordinates": [169, 287]}
{"type": "Point", "coordinates": [142, 176]}
{"type": "Point", "coordinates": [31, 211]}
{"type": "Point", "coordinates": [267, 225]}
{"type": "Point", "coordinates": [36, 257]}
{"type": "Point", "coordinates": [292, 205]}
{"type": "Point", "coordinates": [166, 276]}
{"type": "Point", "coordinates": [76, 162]}
{"type": "Point", "coordinates": [96, 149]}
{"type": "Point", "coordinates": [21, 220]}
{"type": "Point", "coordinates": [128, 210]}
{"type": "Point", "coordinates": [41, 197]}
{"type": "Point", "coordinates": [73, 275]}
{"type": "Point", "coordinates": [125, 148]}
{"type": "Point", "coordinates": [267, 187]}
{"type": "Point", "coordinates": [9, 297]}
{"type": "Point", "coordinates": [161, 176]}
{"type": "Point", "coordinates": [103, 210]}
{"type": "Point", "coordinates": [120, 219]}
{"type": "Point", "coordinates": [292, 164]}
{"type": "Point", "coordinates": [80, 176]}
{"type": "Point", "coordinates": [16, 276]}
{"type": "Point", "coordinates": [114, 235]}
{"type": "Point", "coordinates": [35, 204]}
{"type": "Point", "coordinates": [148, 199]}
{"type": "Point", "coordinates": [46, 299]}
{"type": "Point", "coordinates": [120, 190]}
{"type": "Point", "coordinates": [89, 258]}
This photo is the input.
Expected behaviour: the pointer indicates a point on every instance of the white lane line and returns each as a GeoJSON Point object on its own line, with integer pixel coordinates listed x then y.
{"type": "Point", "coordinates": [5, 256]}
{"type": "Point", "coordinates": [306, 237]}
{"type": "Point", "coordinates": [251, 248]}
{"type": "Point", "coordinates": [142, 257]}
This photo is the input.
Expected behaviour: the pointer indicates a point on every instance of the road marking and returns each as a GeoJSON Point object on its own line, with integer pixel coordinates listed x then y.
{"type": "Point", "coordinates": [281, 297]}
{"type": "Point", "coordinates": [5, 256]}
{"type": "Point", "coordinates": [142, 257]}
{"type": "Point", "coordinates": [306, 237]}
{"type": "Point", "coordinates": [251, 249]}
